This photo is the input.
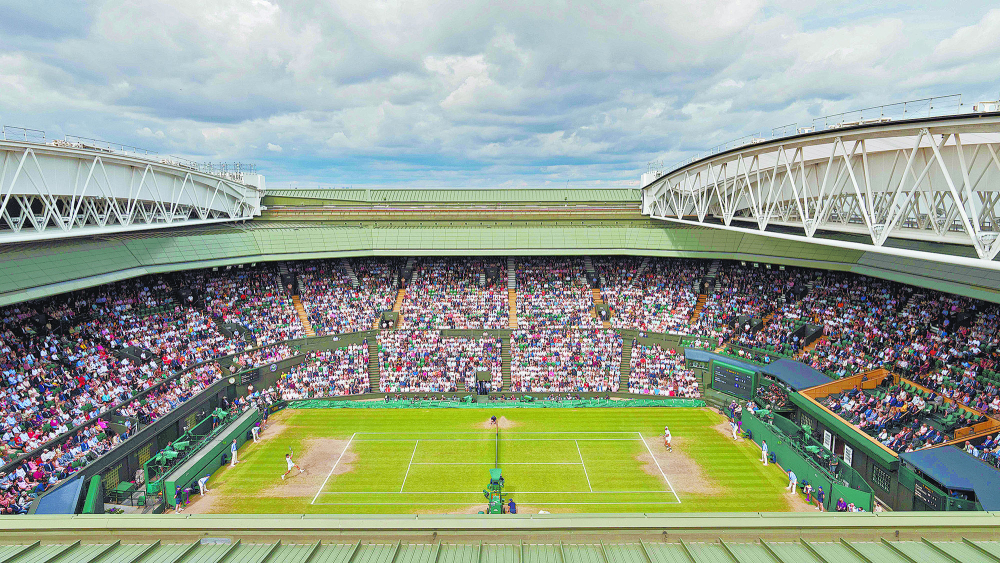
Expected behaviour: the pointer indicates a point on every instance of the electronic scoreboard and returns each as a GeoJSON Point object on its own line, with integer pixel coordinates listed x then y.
{"type": "Point", "coordinates": [733, 380]}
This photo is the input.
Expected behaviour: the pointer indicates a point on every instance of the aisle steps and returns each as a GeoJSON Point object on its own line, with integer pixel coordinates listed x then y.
{"type": "Point", "coordinates": [373, 375]}
{"type": "Point", "coordinates": [812, 346]}
{"type": "Point", "coordinates": [642, 267]}
{"type": "Point", "coordinates": [511, 274]}
{"type": "Point", "coordinates": [400, 295]}
{"type": "Point", "coordinates": [626, 366]}
{"type": "Point", "coordinates": [512, 302]}
{"type": "Point", "coordinates": [303, 316]}
{"type": "Point", "coordinates": [505, 366]}
{"type": "Point", "coordinates": [346, 263]}
{"type": "Point", "coordinates": [698, 308]}
{"type": "Point", "coordinates": [598, 300]}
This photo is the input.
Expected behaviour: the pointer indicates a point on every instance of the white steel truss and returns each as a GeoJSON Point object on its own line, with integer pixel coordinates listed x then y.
{"type": "Point", "coordinates": [928, 180]}
{"type": "Point", "coordinates": [51, 191]}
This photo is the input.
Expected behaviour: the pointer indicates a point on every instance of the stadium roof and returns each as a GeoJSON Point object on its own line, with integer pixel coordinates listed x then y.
{"type": "Point", "coordinates": [33, 270]}
{"type": "Point", "coordinates": [703, 356]}
{"type": "Point", "coordinates": [597, 538]}
{"type": "Point", "coordinates": [796, 375]}
{"type": "Point", "coordinates": [956, 470]}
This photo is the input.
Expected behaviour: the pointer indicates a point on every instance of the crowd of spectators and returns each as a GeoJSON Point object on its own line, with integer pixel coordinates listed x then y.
{"type": "Point", "coordinates": [334, 305]}
{"type": "Point", "coordinates": [427, 362]}
{"type": "Point", "coordinates": [660, 371]}
{"type": "Point", "coordinates": [554, 292]}
{"type": "Point", "coordinates": [455, 293]}
{"type": "Point", "coordinates": [895, 419]}
{"type": "Point", "coordinates": [774, 337]}
{"type": "Point", "coordinates": [772, 395]}
{"type": "Point", "coordinates": [35, 475]}
{"type": "Point", "coordinates": [105, 346]}
{"type": "Point", "coordinates": [144, 314]}
{"type": "Point", "coordinates": [250, 297]}
{"type": "Point", "coordinates": [659, 298]}
{"type": "Point", "coordinates": [743, 291]}
{"type": "Point", "coordinates": [328, 373]}
{"type": "Point", "coordinates": [987, 450]}
{"type": "Point", "coordinates": [262, 356]}
{"type": "Point", "coordinates": [565, 360]}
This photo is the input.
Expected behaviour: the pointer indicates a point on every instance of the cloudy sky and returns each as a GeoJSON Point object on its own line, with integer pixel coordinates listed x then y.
{"type": "Point", "coordinates": [472, 92]}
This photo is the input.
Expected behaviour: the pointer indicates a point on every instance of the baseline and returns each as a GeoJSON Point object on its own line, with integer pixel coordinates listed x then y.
{"type": "Point", "coordinates": [321, 487]}
{"type": "Point", "coordinates": [643, 440]}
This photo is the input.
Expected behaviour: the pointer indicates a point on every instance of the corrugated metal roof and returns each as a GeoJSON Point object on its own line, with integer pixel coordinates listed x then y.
{"type": "Point", "coordinates": [463, 195]}
{"type": "Point", "coordinates": [475, 552]}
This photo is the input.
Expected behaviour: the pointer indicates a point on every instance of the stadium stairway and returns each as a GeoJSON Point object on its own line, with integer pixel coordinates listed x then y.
{"type": "Point", "coordinates": [373, 375]}
{"type": "Point", "coordinates": [505, 366]}
{"type": "Point", "coordinates": [588, 266]}
{"type": "Point", "coordinates": [641, 270]}
{"type": "Point", "coordinates": [511, 294]}
{"type": "Point", "coordinates": [812, 346]}
{"type": "Point", "coordinates": [697, 308]}
{"type": "Point", "coordinates": [399, 305]}
{"type": "Point", "coordinates": [599, 300]}
{"type": "Point", "coordinates": [713, 270]}
{"type": "Point", "coordinates": [626, 366]}
{"type": "Point", "coordinates": [303, 316]}
{"type": "Point", "coordinates": [512, 302]}
{"type": "Point", "coordinates": [346, 263]}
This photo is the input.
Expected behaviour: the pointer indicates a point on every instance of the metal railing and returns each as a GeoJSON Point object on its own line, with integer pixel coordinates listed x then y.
{"type": "Point", "coordinates": [11, 133]}
{"type": "Point", "coordinates": [235, 171]}
{"type": "Point", "coordinates": [937, 106]}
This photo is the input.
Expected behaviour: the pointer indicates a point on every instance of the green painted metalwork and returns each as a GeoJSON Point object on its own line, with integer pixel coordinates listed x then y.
{"type": "Point", "coordinates": [469, 404]}
{"type": "Point", "coordinates": [844, 430]}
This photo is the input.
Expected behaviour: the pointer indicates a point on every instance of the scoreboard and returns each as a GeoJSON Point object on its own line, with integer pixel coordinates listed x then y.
{"type": "Point", "coordinates": [733, 380]}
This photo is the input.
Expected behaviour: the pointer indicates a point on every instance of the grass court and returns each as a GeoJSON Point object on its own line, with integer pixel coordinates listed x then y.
{"type": "Point", "coordinates": [557, 460]}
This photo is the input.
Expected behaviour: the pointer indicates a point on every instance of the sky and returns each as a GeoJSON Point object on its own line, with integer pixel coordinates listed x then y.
{"type": "Point", "coordinates": [473, 93]}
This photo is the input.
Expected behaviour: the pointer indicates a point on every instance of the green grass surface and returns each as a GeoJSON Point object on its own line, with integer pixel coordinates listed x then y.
{"type": "Point", "coordinates": [559, 460]}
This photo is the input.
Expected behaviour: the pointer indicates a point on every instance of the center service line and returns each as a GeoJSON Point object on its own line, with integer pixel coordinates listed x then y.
{"type": "Point", "coordinates": [409, 466]}
{"type": "Point", "coordinates": [584, 466]}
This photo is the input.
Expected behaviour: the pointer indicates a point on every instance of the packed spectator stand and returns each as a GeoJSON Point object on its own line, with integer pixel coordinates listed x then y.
{"type": "Point", "coordinates": [660, 371]}
{"type": "Point", "coordinates": [574, 359]}
{"type": "Point", "coordinates": [554, 292]}
{"type": "Point", "coordinates": [70, 358]}
{"type": "Point", "coordinates": [426, 361]}
{"type": "Point", "coordinates": [334, 304]}
{"type": "Point", "coordinates": [452, 293]}
{"type": "Point", "coordinates": [660, 297]}
{"type": "Point", "coordinates": [250, 297]}
{"type": "Point", "coordinates": [328, 373]}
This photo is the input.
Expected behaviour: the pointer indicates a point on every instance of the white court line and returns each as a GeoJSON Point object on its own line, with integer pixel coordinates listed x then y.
{"type": "Point", "coordinates": [491, 463]}
{"type": "Point", "coordinates": [643, 440]}
{"type": "Point", "coordinates": [480, 493]}
{"type": "Point", "coordinates": [332, 468]}
{"type": "Point", "coordinates": [409, 466]}
{"type": "Point", "coordinates": [584, 466]}
{"type": "Point", "coordinates": [464, 503]}
{"type": "Point", "coordinates": [490, 439]}
{"type": "Point", "coordinates": [484, 431]}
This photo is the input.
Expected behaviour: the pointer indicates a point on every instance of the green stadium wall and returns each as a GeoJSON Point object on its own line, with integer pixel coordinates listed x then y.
{"type": "Point", "coordinates": [34, 270]}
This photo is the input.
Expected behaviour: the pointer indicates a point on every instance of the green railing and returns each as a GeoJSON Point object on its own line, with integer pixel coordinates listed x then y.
{"type": "Point", "coordinates": [471, 404]}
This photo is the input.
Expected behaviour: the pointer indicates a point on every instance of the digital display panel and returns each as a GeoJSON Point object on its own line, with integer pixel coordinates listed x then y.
{"type": "Point", "coordinates": [732, 380]}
